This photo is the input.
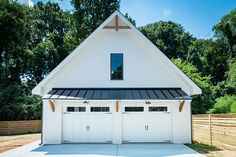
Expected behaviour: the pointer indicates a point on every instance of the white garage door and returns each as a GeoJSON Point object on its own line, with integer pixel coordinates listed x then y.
{"type": "Point", "coordinates": [87, 124]}
{"type": "Point", "coordinates": [147, 124]}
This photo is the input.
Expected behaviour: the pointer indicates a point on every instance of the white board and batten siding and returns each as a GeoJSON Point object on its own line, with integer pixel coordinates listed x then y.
{"type": "Point", "coordinates": [91, 67]}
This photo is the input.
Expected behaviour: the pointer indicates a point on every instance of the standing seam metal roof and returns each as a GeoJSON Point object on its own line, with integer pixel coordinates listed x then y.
{"type": "Point", "coordinates": [117, 93]}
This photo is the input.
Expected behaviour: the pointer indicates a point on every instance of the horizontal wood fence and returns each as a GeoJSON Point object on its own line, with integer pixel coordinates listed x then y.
{"type": "Point", "coordinates": [20, 127]}
{"type": "Point", "coordinates": [215, 129]}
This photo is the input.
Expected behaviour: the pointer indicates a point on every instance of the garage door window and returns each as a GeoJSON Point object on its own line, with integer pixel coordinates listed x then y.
{"type": "Point", "coordinates": [76, 109]}
{"type": "Point", "coordinates": [99, 109]}
{"type": "Point", "coordinates": [157, 109]}
{"type": "Point", "coordinates": [134, 109]}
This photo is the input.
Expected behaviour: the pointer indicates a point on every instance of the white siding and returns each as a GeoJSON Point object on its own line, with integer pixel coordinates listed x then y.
{"type": "Point", "coordinates": [91, 67]}
{"type": "Point", "coordinates": [182, 123]}
{"type": "Point", "coordinates": [51, 123]}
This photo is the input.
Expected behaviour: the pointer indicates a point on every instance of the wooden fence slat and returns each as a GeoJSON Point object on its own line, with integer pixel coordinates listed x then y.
{"type": "Point", "coordinates": [215, 129]}
{"type": "Point", "coordinates": [20, 127]}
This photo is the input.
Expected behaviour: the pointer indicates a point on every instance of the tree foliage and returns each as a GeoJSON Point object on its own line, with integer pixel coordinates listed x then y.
{"type": "Point", "coordinates": [89, 14]}
{"type": "Point", "coordinates": [33, 41]}
{"type": "Point", "coordinates": [203, 102]}
{"type": "Point", "coordinates": [231, 79]}
{"type": "Point", "coordinates": [49, 26]}
{"type": "Point", "coordinates": [169, 37]}
{"type": "Point", "coordinates": [226, 30]}
{"type": "Point", "coordinates": [13, 42]}
{"type": "Point", "coordinates": [225, 104]}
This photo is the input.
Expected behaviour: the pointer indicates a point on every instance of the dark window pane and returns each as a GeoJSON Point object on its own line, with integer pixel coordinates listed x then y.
{"type": "Point", "coordinates": [99, 109]}
{"type": "Point", "coordinates": [80, 109]}
{"type": "Point", "coordinates": [76, 109]}
{"type": "Point", "coordinates": [70, 109]}
{"type": "Point", "coordinates": [119, 58]}
{"type": "Point", "coordinates": [117, 66]}
{"type": "Point", "coordinates": [134, 109]}
{"type": "Point", "coordinates": [114, 66]}
{"type": "Point", "coordinates": [114, 58]}
{"type": "Point", "coordinates": [119, 75]}
{"type": "Point", "coordinates": [157, 109]}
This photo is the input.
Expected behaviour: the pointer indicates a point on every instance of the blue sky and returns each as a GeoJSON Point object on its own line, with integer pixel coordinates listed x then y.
{"type": "Point", "coordinates": [196, 16]}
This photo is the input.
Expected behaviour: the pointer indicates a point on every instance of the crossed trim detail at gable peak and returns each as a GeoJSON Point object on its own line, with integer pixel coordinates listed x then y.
{"type": "Point", "coordinates": [116, 26]}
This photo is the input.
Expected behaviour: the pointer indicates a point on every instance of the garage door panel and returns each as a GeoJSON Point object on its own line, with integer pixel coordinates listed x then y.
{"type": "Point", "coordinates": [159, 127]}
{"type": "Point", "coordinates": [67, 133]}
{"type": "Point", "coordinates": [97, 128]}
{"type": "Point", "coordinates": [75, 127]}
{"type": "Point", "coordinates": [147, 126]}
{"type": "Point", "coordinates": [133, 127]}
{"type": "Point", "coordinates": [87, 126]}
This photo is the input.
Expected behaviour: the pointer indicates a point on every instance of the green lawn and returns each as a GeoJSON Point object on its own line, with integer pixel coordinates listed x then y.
{"type": "Point", "coordinates": [211, 151]}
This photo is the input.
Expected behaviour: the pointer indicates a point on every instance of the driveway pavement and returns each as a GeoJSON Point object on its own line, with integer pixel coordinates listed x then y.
{"type": "Point", "coordinates": [102, 150]}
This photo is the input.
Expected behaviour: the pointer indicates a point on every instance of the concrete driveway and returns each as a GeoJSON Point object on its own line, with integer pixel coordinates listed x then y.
{"type": "Point", "coordinates": [102, 150]}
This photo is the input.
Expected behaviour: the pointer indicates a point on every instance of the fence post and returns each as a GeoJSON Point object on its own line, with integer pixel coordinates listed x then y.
{"type": "Point", "coordinates": [210, 132]}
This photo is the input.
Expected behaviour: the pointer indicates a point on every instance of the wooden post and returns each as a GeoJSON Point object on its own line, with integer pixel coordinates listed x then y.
{"type": "Point", "coordinates": [210, 132]}
{"type": "Point", "coordinates": [117, 106]}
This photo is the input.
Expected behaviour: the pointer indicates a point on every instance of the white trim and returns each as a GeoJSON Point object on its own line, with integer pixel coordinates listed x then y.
{"type": "Point", "coordinates": [193, 88]}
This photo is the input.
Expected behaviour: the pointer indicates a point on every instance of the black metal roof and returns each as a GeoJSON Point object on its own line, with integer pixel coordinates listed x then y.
{"type": "Point", "coordinates": [116, 93]}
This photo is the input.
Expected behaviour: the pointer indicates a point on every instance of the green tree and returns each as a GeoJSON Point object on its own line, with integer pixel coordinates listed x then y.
{"type": "Point", "coordinates": [130, 19]}
{"type": "Point", "coordinates": [169, 37]}
{"type": "Point", "coordinates": [231, 79]}
{"type": "Point", "coordinates": [203, 102]}
{"type": "Point", "coordinates": [214, 58]}
{"type": "Point", "coordinates": [90, 14]}
{"type": "Point", "coordinates": [17, 105]}
{"type": "Point", "coordinates": [195, 50]}
{"type": "Point", "coordinates": [226, 30]}
{"type": "Point", "coordinates": [14, 34]}
{"type": "Point", "coordinates": [49, 27]}
{"type": "Point", "coordinates": [47, 53]}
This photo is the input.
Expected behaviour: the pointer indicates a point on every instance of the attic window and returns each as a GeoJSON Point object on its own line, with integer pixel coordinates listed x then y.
{"type": "Point", "coordinates": [116, 66]}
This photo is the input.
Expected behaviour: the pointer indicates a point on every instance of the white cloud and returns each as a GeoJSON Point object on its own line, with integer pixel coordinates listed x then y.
{"type": "Point", "coordinates": [167, 13]}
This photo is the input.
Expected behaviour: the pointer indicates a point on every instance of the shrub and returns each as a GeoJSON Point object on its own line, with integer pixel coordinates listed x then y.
{"type": "Point", "coordinates": [225, 104]}
{"type": "Point", "coordinates": [16, 105]}
{"type": "Point", "coordinates": [233, 107]}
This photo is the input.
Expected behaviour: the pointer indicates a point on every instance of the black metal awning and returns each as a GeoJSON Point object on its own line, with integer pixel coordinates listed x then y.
{"type": "Point", "coordinates": [117, 93]}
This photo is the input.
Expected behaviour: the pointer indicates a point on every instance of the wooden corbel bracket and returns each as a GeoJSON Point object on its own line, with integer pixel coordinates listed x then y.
{"type": "Point", "coordinates": [181, 105]}
{"type": "Point", "coordinates": [52, 105]}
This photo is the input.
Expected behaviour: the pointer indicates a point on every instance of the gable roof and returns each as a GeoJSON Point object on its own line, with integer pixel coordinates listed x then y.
{"type": "Point", "coordinates": [193, 88]}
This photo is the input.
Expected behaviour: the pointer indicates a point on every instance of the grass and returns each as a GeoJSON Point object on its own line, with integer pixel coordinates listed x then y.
{"type": "Point", "coordinates": [203, 148]}
{"type": "Point", "coordinates": [211, 151]}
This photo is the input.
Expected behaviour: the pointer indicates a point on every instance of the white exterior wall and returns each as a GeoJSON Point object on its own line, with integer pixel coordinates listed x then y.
{"type": "Point", "coordinates": [182, 128]}
{"type": "Point", "coordinates": [91, 67]}
{"type": "Point", "coordinates": [53, 124]}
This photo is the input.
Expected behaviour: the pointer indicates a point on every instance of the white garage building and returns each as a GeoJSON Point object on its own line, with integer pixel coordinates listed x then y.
{"type": "Point", "coordinates": [116, 87]}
